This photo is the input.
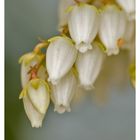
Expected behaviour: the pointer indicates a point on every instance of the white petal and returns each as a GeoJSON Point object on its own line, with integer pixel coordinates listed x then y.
{"type": "Point", "coordinates": [63, 92]}
{"type": "Point", "coordinates": [83, 23]}
{"type": "Point", "coordinates": [34, 116]}
{"type": "Point", "coordinates": [129, 7]}
{"type": "Point", "coordinates": [60, 57]}
{"type": "Point", "coordinates": [39, 97]}
{"type": "Point", "coordinates": [112, 28]}
{"type": "Point", "coordinates": [89, 65]}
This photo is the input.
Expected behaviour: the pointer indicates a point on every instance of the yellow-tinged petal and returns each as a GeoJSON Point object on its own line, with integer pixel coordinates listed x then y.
{"type": "Point", "coordinates": [113, 5]}
{"type": "Point", "coordinates": [81, 4]}
{"type": "Point", "coordinates": [28, 57]}
{"type": "Point", "coordinates": [100, 45]}
{"type": "Point", "coordinates": [23, 93]}
{"type": "Point", "coordinates": [69, 9]}
{"type": "Point", "coordinates": [59, 37]}
{"type": "Point", "coordinates": [36, 82]}
{"type": "Point", "coordinates": [54, 38]}
{"type": "Point", "coordinates": [74, 71]}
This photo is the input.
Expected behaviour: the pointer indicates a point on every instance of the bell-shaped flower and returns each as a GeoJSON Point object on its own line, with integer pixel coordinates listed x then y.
{"type": "Point", "coordinates": [89, 65]}
{"type": "Point", "coordinates": [129, 7]}
{"type": "Point", "coordinates": [63, 92]}
{"type": "Point", "coordinates": [36, 99]}
{"type": "Point", "coordinates": [28, 61]}
{"type": "Point", "coordinates": [60, 57]}
{"type": "Point", "coordinates": [83, 24]}
{"type": "Point", "coordinates": [112, 28]}
{"type": "Point", "coordinates": [33, 115]}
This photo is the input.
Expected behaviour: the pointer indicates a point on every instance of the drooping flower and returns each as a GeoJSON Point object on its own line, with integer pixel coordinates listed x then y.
{"type": "Point", "coordinates": [63, 92]}
{"type": "Point", "coordinates": [60, 57]}
{"type": "Point", "coordinates": [89, 65]}
{"type": "Point", "coordinates": [33, 115]}
{"type": "Point", "coordinates": [38, 92]}
{"type": "Point", "coordinates": [112, 28]}
{"type": "Point", "coordinates": [36, 99]}
{"type": "Point", "coordinates": [83, 24]}
{"type": "Point", "coordinates": [129, 7]}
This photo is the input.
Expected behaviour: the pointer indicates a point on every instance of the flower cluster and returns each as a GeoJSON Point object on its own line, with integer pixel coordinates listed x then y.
{"type": "Point", "coordinates": [90, 31]}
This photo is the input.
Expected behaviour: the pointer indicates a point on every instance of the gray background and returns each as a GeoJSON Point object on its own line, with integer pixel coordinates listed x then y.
{"type": "Point", "coordinates": [25, 21]}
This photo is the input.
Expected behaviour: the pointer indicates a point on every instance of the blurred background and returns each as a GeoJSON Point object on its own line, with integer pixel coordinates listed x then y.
{"type": "Point", "coordinates": [26, 20]}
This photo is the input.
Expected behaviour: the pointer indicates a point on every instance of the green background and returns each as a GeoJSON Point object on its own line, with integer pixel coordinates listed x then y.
{"type": "Point", "coordinates": [26, 20]}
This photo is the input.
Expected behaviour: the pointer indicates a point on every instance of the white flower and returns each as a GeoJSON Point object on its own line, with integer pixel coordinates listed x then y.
{"type": "Point", "coordinates": [89, 65]}
{"type": "Point", "coordinates": [27, 61]}
{"type": "Point", "coordinates": [63, 92]}
{"type": "Point", "coordinates": [33, 115]}
{"type": "Point", "coordinates": [60, 57]}
{"type": "Point", "coordinates": [39, 95]}
{"type": "Point", "coordinates": [83, 24]}
{"type": "Point", "coordinates": [36, 99]}
{"type": "Point", "coordinates": [129, 7]}
{"type": "Point", "coordinates": [112, 28]}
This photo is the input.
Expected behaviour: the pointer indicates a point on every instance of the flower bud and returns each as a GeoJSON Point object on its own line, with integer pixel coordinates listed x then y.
{"type": "Point", "coordinates": [89, 65]}
{"type": "Point", "coordinates": [112, 28]}
{"type": "Point", "coordinates": [60, 57]}
{"type": "Point", "coordinates": [33, 115]}
{"type": "Point", "coordinates": [38, 92]}
{"type": "Point", "coordinates": [36, 100]}
{"type": "Point", "coordinates": [129, 7]}
{"type": "Point", "coordinates": [83, 24]}
{"type": "Point", "coordinates": [63, 92]}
